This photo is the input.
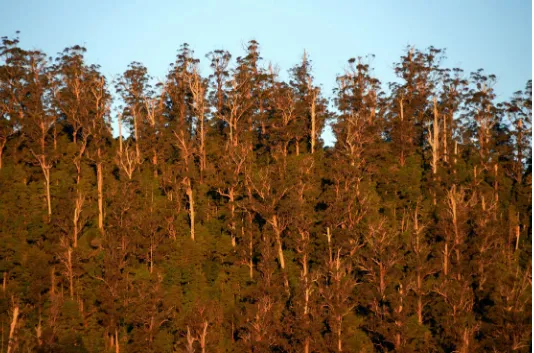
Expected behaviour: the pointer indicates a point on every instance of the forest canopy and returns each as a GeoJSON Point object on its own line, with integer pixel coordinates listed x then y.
{"type": "Point", "coordinates": [214, 218]}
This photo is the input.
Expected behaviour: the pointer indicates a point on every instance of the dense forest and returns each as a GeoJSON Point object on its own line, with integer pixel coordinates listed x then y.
{"type": "Point", "coordinates": [215, 219]}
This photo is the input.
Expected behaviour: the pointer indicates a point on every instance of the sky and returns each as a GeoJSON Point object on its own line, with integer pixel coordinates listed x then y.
{"type": "Point", "coordinates": [494, 35]}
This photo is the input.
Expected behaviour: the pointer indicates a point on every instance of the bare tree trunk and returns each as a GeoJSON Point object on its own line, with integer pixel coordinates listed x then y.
{"type": "Point", "coordinates": [446, 259]}
{"type": "Point", "coordinates": [250, 247]}
{"type": "Point", "coordinates": [517, 235]}
{"type": "Point", "coordinates": [401, 103]}
{"type": "Point", "coordinates": [313, 131]}
{"type": "Point", "coordinates": [11, 342]}
{"type": "Point", "coordinates": [434, 139]}
{"type": "Point", "coordinates": [136, 133]}
{"type": "Point", "coordinates": [189, 192]}
{"type": "Point", "coordinates": [203, 337]}
{"type": "Point", "coordinates": [120, 133]}
{"type": "Point", "coordinates": [70, 273]}
{"type": "Point", "coordinates": [340, 324]}
{"type": "Point", "coordinates": [117, 345]}
{"type": "Point", "coordinates": [445, 137]}
{"type": "Point", "coordinates": [100, 182]}
{"type": "Point", "coordinates": [231, 197]}
{"type": "Point", "coordinates": [202, 142]}
{"type": "Point", "coordinates": [75, 220]}
{"type": "Point", "coordinates": [277, 232]}
{"type": "Point", "coordinates": [46, 172]}
{"type": "Point", "coordinates": [190, 341]}
{"type": "Point", "coordinates": [2, 145]}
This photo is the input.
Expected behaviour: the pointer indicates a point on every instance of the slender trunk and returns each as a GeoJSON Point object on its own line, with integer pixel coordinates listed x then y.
{"type": "Point", "coordinates": [446, 259]}
{"type": "Point", "coordinates": [2, 145]}
{"type": "Point", "coordinates": [382, 275]}
{"type": "Point", "coordinates": [76, 218]}
{"type": "Point", "coordinates": [189, 192]}
{"type": "Point", "coordinates": [53, 283]}
{"type": "Point", "coordinates": [117, 345]}
{"type": "Point", "coordinates": [100, 182]}
{"type": "Point", "coordinates": [203, 337]}
{"type": "Point", "coordinates": [313, 123]}
{"type": "Point", "coordinates": [445, 136]}
{"type": "Point", "coordinates": [250, 247]}
{"type": "Point", "coordinates": [120, 134]}
{"type": "Point", "coordinates": [11, 341]}
{"type": "Point", "coordinates": [136, 133]}
{"type": "Point", "coordinates": [465, 341]}
{"type": "Point", "coordinates": [232, 216]}
{"type": "Point", "coordinates": [434, 140]}
{"type": "Point", "coordinates": [70, 273]}
{"type": "Point", "coordinates": [278, 242]}
{"type": "Point", "coordinates": [340, 323]}
{"type": "Point", "coordinates": [190, 341]}
{"type": "Point", "coordinates": [420, 309]}
{"type": "Point", "coordinates": [517, 235]}
{"type": "Point", "coordinates": [38, 329]}
{"type": "Point", "coordinates": [202, 142]}
{"type": "Point", "coordinates": [402, 159]}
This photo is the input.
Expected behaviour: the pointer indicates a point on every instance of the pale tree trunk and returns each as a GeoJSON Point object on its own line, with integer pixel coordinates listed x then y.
{"type": "Point", "coordinates": [313, 131]}
{"type": "Point", "coordinates": [446, 259]}
{"type": "Point", "coordinates": [136, 133]}
{"type": "Point", "coordinates": [76, 218]}
{"type": "Point", "coordinates": [189, 192]}
{"type": "Point", "coordinates": [517, 235]}
{"type": "Point", "coordinates": [203, 337]}
{"type": "Point", "coordinates": [39, 330]}
{"type": "Point", "coordinates": [202, 142]}
{"type": "Point", "coordinates": [11, 341]}
{"type": "Point", "coordinates": [70, 273]}
{"type": "Point", "coordinates": [445, 137]}
{"type": "Point", "coordinates": [307, 345]}
{"type": "Point", "coordinates": [434, 139]}
{"type": "Point", "coordinates": [231, 197]}
{"type": "Point", "coordinates": [190, 341]}
{"type": "Point", "coordinates": [100, 182]}
{"type": "Point", "coordinates": [2, 145]}
{"type": "Point", "coordinates": [117, 344]}
{"type": "Point", "coordinates": [46, 171]}
{"type": "Point", "coordinates": [120, 133]}
{"type": "Point", "coordinates": [250, 246]}
{"type": "Point", "coordinates": [339, 331]}
{"type": "Point", "coordinates": [401, 103]}
{"type": "Point", "coordinates": [277, 232]}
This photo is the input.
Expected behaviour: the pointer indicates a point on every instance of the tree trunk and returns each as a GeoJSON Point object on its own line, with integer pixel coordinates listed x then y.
{"type": "Point", "coordinates": [190, 341]}
{"type": "Point", "coordinates": [100, 182]}
{"type": "Point", "coordinates": [2, 145]}
{"type": "Point", "coordinates": [277, 232]}
{"type": "Point", "coordinates": [313, 131]}
{"type": "Point", "coordinates": [203, 337]}
{"type": "Point", "coordinates": [11, 342]}
{"type": "Point", "coordinates": [189, 192]}
{"type": "Point", "coordinates": [339, 343]}
{"type": "Point", "coordinates": [117, 345]}
{"type": "Point", "coordinates": [70, 273]}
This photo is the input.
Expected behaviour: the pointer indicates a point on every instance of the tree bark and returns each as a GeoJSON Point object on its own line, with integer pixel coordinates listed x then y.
{"type": "Point", "coordinates": [11, 342]}
{"type": "Point", "coordinates": [189, 192]}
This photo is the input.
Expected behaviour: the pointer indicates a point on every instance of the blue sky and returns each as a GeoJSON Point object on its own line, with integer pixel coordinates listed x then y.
{"type": "Point", "coordinates": [494, 35]}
